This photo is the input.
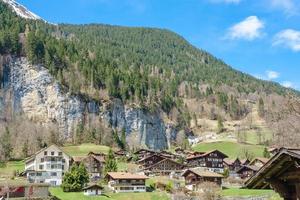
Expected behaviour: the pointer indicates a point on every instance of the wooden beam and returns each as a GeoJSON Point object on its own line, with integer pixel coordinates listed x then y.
{"type": "Point", "coordinates": [291, 175]}
{"type": "Point", "coordinates": [297, 185]}
{"type": "Point", "coordinates": [281, 188]}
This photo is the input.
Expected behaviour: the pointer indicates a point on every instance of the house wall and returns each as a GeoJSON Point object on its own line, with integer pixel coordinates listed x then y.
{"type": "Point", "coordinates": [213, 162]}
{"type": "Point", "coordinates": [92, 192]}
{"type": "Point", "coordinates": [48, 166]}
{"type": "Point", "coordinates": [124, 185]}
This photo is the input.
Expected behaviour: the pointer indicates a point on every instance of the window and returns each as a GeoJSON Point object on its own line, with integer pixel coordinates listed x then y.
{"type": "Point", "coordinates": [39, 174]}
{"type": "Point", "coordinates": [62, 167]}
{"type": "Point", "coordinates": [42, 160]}
{"type": "Point", "coordinates": [60, 153]}
{"type": "Point", "coordinates": [52, 153]}
{"type": "Point", "coordinates": [45, 153]}
{"type": "Point", "coordinates": [41, 167]}
{"type": "Point", "coordinates": [53, 174]}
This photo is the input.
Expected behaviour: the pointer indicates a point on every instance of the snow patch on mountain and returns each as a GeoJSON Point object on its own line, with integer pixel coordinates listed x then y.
{"type": "Point", "coordinates": [21, 10]}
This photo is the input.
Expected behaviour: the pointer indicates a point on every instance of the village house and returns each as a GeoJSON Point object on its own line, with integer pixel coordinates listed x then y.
{"type": "Point", "coordinates": [247, 171]}
{"type": "Point", "coordinates": [232, 165]}
{"type": "Point", "coordinates": [20, 190]}
{"type": "Point", "coordinates": [164, 167]}
{"type": "Point", "coordinates": [213, 161]}
{"type": "Point", "coordinates": [150, 160]}
{"type": "Point", "coordinates": [143, 153]}
{"type": "Point", "coordinates": [93, 162]}
{"type": "Point", "coordinates": [126, 182]}
{"type": "Point", "coordinates": [281, 172]}
{"type": "Point", "coordinates": [47, 166]}
{"type": "Point", "coordinates": [92, 190]}
{"type": "Point", "coordinates": [245, 161]}
{"type": "Point", "coordinates": [195, 177]}
{"type": "Point", "coordinates": [259, 162]}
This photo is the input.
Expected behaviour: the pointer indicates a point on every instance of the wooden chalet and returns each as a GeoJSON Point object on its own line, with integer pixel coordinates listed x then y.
{"type": "Point", "coordinates": [151, 160]}
{"type": "Point", "coordinates": [120, 153]}
{"type": "Point", "coordinates": [245, 162]}
{"type": "Point", "coordinates": [94, 163]}
{"type": "Point", "coordinates": [281, 172]}
{"type": "Point", "coordinates": [232, 165]}
{"type": "Point", "coordinates": [195, 177]}
{"type": "Point", "coordinates": [273, 150]}
{"type": "Point", "coordinates": [259, 162]}
{"type": "Point", "coordinates": [213, 161]}
{"type": "Point", "coordinates": [144, 153]}
{"type": "Point", "coordinates": [164, 167]}
{"type": "Point", "coordinates": [247, 171]}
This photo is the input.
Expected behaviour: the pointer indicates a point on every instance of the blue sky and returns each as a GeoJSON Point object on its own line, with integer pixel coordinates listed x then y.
{"type": "Point", "coordinates": [259, 37]}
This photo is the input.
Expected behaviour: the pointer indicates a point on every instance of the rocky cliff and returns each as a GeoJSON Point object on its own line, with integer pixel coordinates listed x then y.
{"type": "Point", "coordinates": [31, 90]}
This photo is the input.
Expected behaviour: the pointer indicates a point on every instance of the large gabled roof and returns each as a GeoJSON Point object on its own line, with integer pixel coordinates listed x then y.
{"type": "Point", "coordinates": [150, 156]}
{"type": "Point", "coordinates": [43, 149]}
{"type": "Point", "coordinates": [206, 154]}
{"type": "Point", "coordinates": [125, 175]}
{"type": "Point", "coordinates": [262, 160]}
{"type": "Point", "coordinates": [202, 173]}
{"type": "Point", "coordinates": [164, 160]}
{"type": "Point", "coordinates": [276, 166]}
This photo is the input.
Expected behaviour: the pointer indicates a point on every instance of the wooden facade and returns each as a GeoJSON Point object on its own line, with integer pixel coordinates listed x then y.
{"type": "Point", "coordinates": [281, 172]}
{"type": "Point", "coordinates": [164, 167]}
{"type": "Point", "coordinates": [151, 160]}
{"type": "Point", "coordinates": [195, 177]}
{"type": "Point", "coordinates": [143, 153]}
{"type": "Point", "coordinates": [247, 171]}
{"type": "Point", "coordinates": [232, 165]}
{"type": "Point", "coordinates": [94, 164]}
{"type": "Point", "coordinates": [213, 161]}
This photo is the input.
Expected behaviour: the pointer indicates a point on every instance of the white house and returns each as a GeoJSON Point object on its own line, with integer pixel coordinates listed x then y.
{"type": "Point", "coordinates": [47, 166]}
{"type": "Point", "coordinates": [92, 190]}
{"type": "Point", "coordinates": [126, 182]}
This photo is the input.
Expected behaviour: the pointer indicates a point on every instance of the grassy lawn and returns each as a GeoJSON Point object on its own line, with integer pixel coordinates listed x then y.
{"type": "Point", "coordinates": [231, 149]}
{"type": "Point", "coordinates": [84, 149]}
{"type": "Point", "coordinates": [236, 192]}
{"type": "Point", "coordinates": [11, 167]}
{"type": "Point", "coordinates": [112, 196]}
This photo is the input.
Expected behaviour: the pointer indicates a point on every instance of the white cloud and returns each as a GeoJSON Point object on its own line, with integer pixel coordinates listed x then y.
{"type": "Point", "coordinates": [248, 29]}
{"type": "Point", "coordinates": [290, 7]}
{"type": "Point", "coordinates": [226, 1]}
{"type": "Point", "coordinates": [287, 84]}
{"type": "Point", "coordinates": [289, 38]}
{"type": "Point", "coordinates": [268, 75]}
{"type": "Point", "coordinates": [272, 75]}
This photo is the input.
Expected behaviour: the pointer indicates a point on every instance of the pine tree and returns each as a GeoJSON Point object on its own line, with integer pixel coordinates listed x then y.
{"type": "Point", "coordinates": [75, 179]}
{"type": "Point", "coordinates": [220, 124]}
{"type": "Point", "coordinates": [25, 149]}
{"type": "Point", "coordinates": [110, 162]}
{"type": "Point", "coordinates": [266, 153]}
{"type": "Point", "coordinates": [123, 139]}
{"type": "Point", "coordinates": [261, 107]}
{"type": "Point", "coordinates": [5, 142]}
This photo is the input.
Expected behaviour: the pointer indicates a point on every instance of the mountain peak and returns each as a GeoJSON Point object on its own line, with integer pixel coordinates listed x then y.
{"type": "Point", "coordinates": [21, 10]}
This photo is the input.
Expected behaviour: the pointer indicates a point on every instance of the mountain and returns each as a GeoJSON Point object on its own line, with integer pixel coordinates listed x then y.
{"type": "Point", "coordinates": [21, 10]}
{"type": "Point", "coordinates": [94, 83]}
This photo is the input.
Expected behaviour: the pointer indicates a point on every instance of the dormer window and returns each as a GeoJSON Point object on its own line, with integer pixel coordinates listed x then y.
{"type": "Point", "coordinates": [45, 153]}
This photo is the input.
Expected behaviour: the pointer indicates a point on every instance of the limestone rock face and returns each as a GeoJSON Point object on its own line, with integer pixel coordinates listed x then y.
{"type": "Point", "coordinates": [31, 90]}
{"type": "Point", "coordinates": [150, 127]}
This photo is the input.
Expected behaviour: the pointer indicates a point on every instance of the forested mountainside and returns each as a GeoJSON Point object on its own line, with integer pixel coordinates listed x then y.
{"type": "Point", "coordinates": [156, 77]}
